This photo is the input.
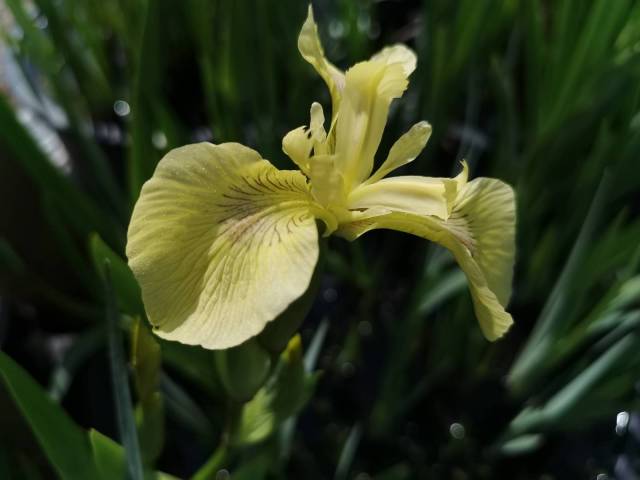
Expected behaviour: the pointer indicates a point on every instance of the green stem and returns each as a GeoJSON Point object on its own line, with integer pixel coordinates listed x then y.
{"type": "Point", "coordinates": [217, 460]}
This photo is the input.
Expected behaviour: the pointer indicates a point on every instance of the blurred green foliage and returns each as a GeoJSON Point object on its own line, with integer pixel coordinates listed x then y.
{"type": "Point", "coordinates": [542, 94]}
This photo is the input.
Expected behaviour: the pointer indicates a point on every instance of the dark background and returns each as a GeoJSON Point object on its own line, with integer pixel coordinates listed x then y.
{"type": "Point", "coordinates": [544, 95]}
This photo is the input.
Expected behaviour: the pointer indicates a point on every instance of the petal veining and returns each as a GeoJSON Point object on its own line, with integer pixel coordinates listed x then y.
{"type": "Point", "coordinates": [480, 233]}
{"type": "Point", "coordinates": [221, 243]}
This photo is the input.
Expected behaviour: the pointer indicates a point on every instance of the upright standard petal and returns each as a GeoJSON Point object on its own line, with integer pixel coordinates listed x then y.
{"type": "Point", "coordinates": [221, 243]}
{"type": "Point", "coordinates": [480, 233]}
{"type": "Point", "coordinates": [311, 50]}
{"type": "Point", "coordinates": [369, 89]}
{"type": "Point", "coordinates": [398, 54]}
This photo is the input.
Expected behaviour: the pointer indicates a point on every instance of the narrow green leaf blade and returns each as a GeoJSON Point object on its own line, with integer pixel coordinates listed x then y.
{"type": "Point", "coordinates": [348, 453]}
{"type": "Point", "coordinates": [108, 455]}
{"type": "Point", "coordinates": [125, 287]}
{"type": "Point", "coordinates": [120, 382]}
{"type": "Point", "coordinates": [63, 442]}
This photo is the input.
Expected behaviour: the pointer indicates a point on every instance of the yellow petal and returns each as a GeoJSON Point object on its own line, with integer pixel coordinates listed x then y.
{"type": "Point", "coordinates": [462, 177]}
{"type": "Point", "coordinates": [369, 89]}
{"type": "Point", "coordinates": [299, 142]}
{"type": "Point", "coordinates": [410, 194]}
{"type": "Point", "coordinates": [311, 50]}
{"type": "Point", "coordinates": [398, 54]}
{"type": "Point", "coordinates": [486, 208]}
{"type": "Point", "coordinates": [221, 243]}
{"type": "Point", "coordinates": [404, 150]}
{"type": "Point", "coordinates": [297, 145]}
{"type": "Point", "coordinates": [326, 181]}
{"type": "Point", "coordinates": [480, 232]}
{"type": "Point", "coordinates": [316, 124]}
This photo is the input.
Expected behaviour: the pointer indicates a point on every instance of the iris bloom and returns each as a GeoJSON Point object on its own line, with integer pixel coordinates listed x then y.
{"type": "Point", "coordinates": [222, 242]}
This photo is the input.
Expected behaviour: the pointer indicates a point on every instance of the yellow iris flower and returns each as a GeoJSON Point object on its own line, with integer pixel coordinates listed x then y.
{"type": "Point", "coordinates": [222, 242]}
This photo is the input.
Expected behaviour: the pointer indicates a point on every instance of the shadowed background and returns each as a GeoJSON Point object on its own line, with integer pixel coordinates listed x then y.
{"type": "Point", "coordinates": [542, 94]}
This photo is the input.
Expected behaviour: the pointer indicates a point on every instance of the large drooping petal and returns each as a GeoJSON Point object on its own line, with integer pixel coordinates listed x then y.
{"type": "Point", "coordinates": [487, 210]}
{"type": "Point", "coordinates": [480, 233]}
{"type": "Point", "coordinates": [311, 50]}
{"type": "Point", "coordinates": [221, 243]}
{"type": "Point", "coordinates": [369, 89]}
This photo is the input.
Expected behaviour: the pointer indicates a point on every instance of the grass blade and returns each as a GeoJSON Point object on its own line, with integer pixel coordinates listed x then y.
{"type": "Point", "coordinates": [554, 315]}
{"type": "Point", "coordinates": [120, 381]}
{"type": "Point", "coordinates": [64, 443]}
{"type": "Point", "coordinates": [348, 453]}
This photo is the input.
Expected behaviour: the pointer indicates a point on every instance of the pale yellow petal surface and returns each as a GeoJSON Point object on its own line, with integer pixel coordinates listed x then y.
{"type": "Point", "coordinates": [311, 50]}
{"type": "Point", "coordinates": [410, 194]}
{"type": "Point", "coordinates": [480, 233]}
{"type": "Point", "coordinates": [488, 207]}
{"type": "Point", "coordinates": [404, 150]}
{"type": "Point", "coordinates": [221, 243]}
{"type": "Point", "coordinates": [398, 54]}
{"type": "Point", "coordinates": [326, 180]}
{"type": "Point", "coordinates": [369, 89]}
{"type": "Point", "coordinates": [316, 124]}
{"type": "Point", "coordinates": [297, 145]}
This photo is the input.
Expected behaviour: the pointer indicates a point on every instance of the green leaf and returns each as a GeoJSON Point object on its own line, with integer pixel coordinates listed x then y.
{"type": "Point", "coordinates": [63, 442]}
{"type": "Point", "coordinates": [449, 284]}
{"type": "Point", "coordinates": [120, 382]}
{"type": "Point", "coordinates": [287, 430]}
{"type": "Point", "coordinates": [243, 369]}
{"type": "Point", "coordinates": [209, 470]}
{"type": "Point", "coordinates": [254, 469]}
{"type": "Point", "coordinates": [522, 445]}
{"type": "Point", "coordinates": [348, 453]}
{"type": "Point", "coordinates": [110, 459]}
{"type": "Point", "coordinates": [108, 456]}
{"type": "Point", "coordinates": [575, 393]}
{"type": "Point", "coordinates": [185, 410]}
{"type": "Point", "coordinates": [125, 285]}
{"type": "Point", "coordinates": [192, 363]}
{"type": "Point", "coordinates": [554, 316]}
{"type": "Point", "coordinates": [146, 361]}
{"type": "Point", "coordinates": [84, 346]}
{"type": "Point", "coordinates": [142, 156]}
{"type": "Point", "coordinates": [149, 416]}
{"type": "Point", "coordinates": [285, 393]}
